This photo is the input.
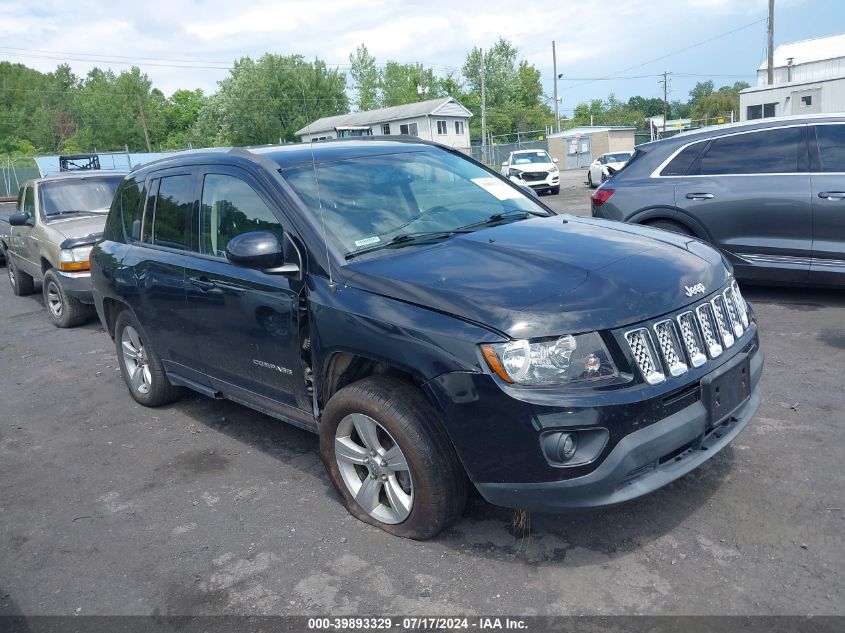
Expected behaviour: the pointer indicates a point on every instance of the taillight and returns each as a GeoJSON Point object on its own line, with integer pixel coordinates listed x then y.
{"type": "Point", "coordinates": [600, 196]}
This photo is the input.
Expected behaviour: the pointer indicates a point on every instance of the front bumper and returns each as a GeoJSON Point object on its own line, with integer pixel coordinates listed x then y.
{"type": "Point", "coordinates": [640, 463]}
{"type": "Point", "coordinates": [77, 285]}
{"type": "Point", "coordinates": [551, 181]}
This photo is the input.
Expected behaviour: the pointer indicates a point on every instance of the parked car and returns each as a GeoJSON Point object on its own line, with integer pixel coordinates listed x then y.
{"type": "Point", "coordinates": [606, 166]}
{"type": "Point", "coordinates": [7, 208]}
{"type": "Point", "coordinates": [534, 168]}
{"type": "Point", "coordinates": [49, 236]}
{"type": "Point", "coordinates": [433, 323]}
{"type": "Point", "coordinates": [770, 193]}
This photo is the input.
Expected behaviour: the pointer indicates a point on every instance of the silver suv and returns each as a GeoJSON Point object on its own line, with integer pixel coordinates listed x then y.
{"type": "Point", "coordinates": [770, 194]}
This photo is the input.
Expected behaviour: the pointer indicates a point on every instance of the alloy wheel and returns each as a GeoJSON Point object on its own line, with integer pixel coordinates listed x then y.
{"type": "Point", "coordinates": [54, 300]}
{"type": "Point", "coordinates": [136, 361]}
{"type": "Point", "coordinates": [374, 468]}
{"type": "Point", "coordinates": [11, 270]}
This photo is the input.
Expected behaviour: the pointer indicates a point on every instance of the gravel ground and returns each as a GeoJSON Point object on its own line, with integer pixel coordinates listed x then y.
{"type": "Point", "coordinates": [203, 507]}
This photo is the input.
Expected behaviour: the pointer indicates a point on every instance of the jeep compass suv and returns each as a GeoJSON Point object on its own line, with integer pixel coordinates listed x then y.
{"type": "Point", "coordinates": [436, 325]}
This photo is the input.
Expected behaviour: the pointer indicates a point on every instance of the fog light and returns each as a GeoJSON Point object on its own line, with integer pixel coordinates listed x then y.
{"type": "Point", "coordinates": [567, 445]}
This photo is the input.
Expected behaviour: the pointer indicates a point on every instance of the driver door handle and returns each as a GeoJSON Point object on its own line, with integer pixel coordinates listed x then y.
{"type": "Point", "coordinates": [832, 195]}
{"type": "Point", "coordinates": [203, 283]}
{"type": "Point", "coordinates": [700, 196]}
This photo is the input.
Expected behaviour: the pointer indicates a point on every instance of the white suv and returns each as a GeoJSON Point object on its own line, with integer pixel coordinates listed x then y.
{"type": "Point", "coordinates": [535, 168]}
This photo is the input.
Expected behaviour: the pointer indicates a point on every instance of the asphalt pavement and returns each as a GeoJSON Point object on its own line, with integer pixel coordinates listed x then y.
{"type": "Point", "coordinates": [206, 507]}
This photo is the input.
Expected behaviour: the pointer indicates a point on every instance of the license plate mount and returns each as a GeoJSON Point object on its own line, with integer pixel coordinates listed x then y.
{"type": "Point", "coordinates": [726, 389]}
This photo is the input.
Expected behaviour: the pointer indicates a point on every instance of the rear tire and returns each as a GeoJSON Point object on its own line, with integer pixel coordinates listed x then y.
{"type": "Point", "coordinates": [670, 225]}
{"type": "Point", "coordinates": [140, 365]}
{"type": "Point", "coordinates": [22, 284]}
{"type": "Point", "coordinates": [394, 458]}
{"type": "Point", "coordinates": [63, 310]}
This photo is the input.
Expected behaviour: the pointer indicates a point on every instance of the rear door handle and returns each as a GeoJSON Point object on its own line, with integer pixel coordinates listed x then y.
{"type": "Point", "coordinates": [832, 195]}
{"type": "Point", "coordinates": [203, 283]}
{"type": "Point", "coordinates": [700, 196]}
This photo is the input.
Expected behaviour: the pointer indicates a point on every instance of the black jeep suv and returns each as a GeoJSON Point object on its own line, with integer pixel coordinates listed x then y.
{"type": "Point", "coordinates": [432, 322]}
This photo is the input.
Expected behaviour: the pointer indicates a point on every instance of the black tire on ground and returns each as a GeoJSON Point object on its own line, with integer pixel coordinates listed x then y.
{"type": "Point", "coordinates": [670, 225]}
{"type": "Point", "coordinates": [555, 190]}
{"type": "Point", "coordinates": [590, 180]}
{"type": "Point", "coordinates": [22, 284]}
{"type": "Point", "coordinates": [439, 480]}
{"type": "Point", "coordinates": [157, 390]}
{"type": "Point", "coordinates": [63, 310]}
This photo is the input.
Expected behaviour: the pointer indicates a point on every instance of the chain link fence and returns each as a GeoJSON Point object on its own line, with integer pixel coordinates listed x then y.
{"type": "Point", "coordinates": [13, 172]}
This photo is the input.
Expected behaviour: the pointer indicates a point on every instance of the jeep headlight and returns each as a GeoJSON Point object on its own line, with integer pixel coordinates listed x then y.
{"type": "Point", "coordinates": [563, 360]}
{"type": "Point", "coordinates": [75, 259]}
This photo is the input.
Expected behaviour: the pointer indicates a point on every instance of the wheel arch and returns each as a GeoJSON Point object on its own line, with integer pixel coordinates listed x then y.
{"type": "Point", "coordinates": [343, 368]}
{"type": "Point", "coordinates": [671, 214]}
{"type": "Point", "coordinates": [111, 310]}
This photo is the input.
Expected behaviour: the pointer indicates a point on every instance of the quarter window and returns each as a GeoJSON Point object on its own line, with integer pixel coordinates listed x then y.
{"type": "Point", "coordinates": [130, 202]}
{"type": "Point", "coordinates": [170, 211]}
{"type": "Point", "coordinates": [767, 152]}
{"type": "Point", "coordinates": [831, 141]}
{"type": "Point", "coordinates": [680, 165]}
{"type": "Point", "coordinates": [231, 207]}
{"type": "Point", "coordinates": [442, 128]}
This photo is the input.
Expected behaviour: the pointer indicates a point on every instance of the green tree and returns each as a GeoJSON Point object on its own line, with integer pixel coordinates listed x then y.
{"type": "Point", "coordinates": [407, 83]}
{"type": "Point", "coordinates": [609, 112]}
{"type": "Point", "coordinates": [264, 100]}
{"type": "Point", "coordinates": [500, 72]}
{"type": "Point", "coordinates": [181, 112]}
{"type": "Point", "coordinates": [699, 91]}
{"type": "Point", "coordinates": [366, 79]}
{"type": "Point", "coordinates": [716, 104]}
{"type": "Point", "coordinates": [648, 106]}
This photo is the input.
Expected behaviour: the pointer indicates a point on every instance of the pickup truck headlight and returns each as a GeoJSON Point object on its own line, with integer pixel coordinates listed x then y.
{"type": "Point", "coordinates": [75, 259]}
{"type": "Point", "coordinates": [514, 172]}
{"type": "Point", "coordinates": [564, 360]}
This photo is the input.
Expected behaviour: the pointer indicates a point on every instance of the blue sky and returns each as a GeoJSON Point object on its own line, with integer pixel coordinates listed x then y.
{"type": "Point", "coordinates": [190, 43]}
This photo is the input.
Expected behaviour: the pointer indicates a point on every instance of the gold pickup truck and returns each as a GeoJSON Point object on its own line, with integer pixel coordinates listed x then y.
{"type": "Point", "coordinates": [48, 236]}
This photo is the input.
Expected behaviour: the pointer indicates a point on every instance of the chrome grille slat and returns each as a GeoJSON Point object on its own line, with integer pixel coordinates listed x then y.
{"type": "Point", "coordinates": [670, 347]}
{"type": "Point", "coordinates": [741, 306]}
{"type": "Point", "coordinates": [645, 356]}
{"type": "Point", "coordinates": [733, 315]}
{"type": "Point", "coordinates": [692, 339]}
{"type": "Point", "coordinates": [706, 322]}
{"type": "Point", "coordinates": [718, 303]}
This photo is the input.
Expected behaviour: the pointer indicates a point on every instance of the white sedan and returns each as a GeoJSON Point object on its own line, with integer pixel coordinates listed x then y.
{"type": "Point", "coordinates": [605, 166]}
{"type": "Point", "coordinates": [533, 167]}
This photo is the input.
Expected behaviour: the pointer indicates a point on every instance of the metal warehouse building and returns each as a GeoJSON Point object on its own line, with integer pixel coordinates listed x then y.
{"type": "Point", "coordinates": [809, 78]}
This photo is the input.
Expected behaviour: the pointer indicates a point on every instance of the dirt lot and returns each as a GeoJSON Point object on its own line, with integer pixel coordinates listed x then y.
{"type": "Point", "coordinates": [208, 507]}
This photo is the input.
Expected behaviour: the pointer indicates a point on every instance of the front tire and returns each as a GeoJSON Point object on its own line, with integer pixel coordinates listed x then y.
{"type": "Point", "coordinates": [555, 190]}
{"type": "Point", "coordinates": [590, 180]}
{"type": "Point", "coordinates": [63, 310]}
{"type": "Point", "coordinates": [140, 365]}
{"type": "Point", "coordinates": [392, 465]}
{"type": "Point", "coordinates": [22, 284]}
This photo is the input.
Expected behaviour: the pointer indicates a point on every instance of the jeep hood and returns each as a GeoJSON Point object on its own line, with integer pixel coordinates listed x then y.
{"type": "Point", "coordinates": [547, 276]}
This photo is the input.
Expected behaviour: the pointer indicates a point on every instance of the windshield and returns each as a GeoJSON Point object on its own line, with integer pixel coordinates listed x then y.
{"type": "Point", "coordinates": [86, 195]}
{"type": "Point", "coordinates": [372, 200]}
{"type": "Point", "coordinates": [530, 157]}
{"type": "Point", "coordinates": [621, 157]}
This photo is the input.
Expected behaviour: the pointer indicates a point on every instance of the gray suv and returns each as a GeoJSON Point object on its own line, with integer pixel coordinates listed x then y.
{"type": "Point", "coordinates": [770, 194]}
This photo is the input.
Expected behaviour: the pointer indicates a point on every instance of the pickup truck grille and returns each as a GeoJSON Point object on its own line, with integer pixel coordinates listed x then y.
{"type": "Point", "coordinates": [672, 346]}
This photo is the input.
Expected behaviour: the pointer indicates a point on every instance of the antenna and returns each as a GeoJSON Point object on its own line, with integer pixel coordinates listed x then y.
{"type": "Point", "coordinates": [322, 218]}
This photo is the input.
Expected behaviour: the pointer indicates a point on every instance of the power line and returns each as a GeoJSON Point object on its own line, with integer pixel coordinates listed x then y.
{"type": "Point", "coordinates": [675, 52]}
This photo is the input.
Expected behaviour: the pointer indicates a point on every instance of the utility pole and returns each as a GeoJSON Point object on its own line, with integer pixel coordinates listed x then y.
{"type": "Point", "coordinates": [484, 151]}
{"type": "Point", "coordinates": [770, 66]}
{"type": "Point", "coordinates": [665, 82]}
{"type": "Point", "coordinates": [144, 124]}
{"type": "Point", "coordinates": [557, 104]}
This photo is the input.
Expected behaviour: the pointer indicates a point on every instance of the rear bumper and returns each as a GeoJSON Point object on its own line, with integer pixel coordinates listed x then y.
{"type": "Point", "coordinates": [77, 285]}
{"type": "Point", "coordinates": [640, 463]}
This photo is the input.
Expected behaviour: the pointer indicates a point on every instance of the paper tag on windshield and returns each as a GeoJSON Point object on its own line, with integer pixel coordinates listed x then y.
{"type": "Point", "coordinates": [497, 188]}
{"type": "Point", "coordinates": [367, 241]}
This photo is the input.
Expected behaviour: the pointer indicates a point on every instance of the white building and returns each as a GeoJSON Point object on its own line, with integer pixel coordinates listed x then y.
{"type": "Point", "coordinates": [442, 120]}
{"type": "Point", "coordinates": [809, 78]}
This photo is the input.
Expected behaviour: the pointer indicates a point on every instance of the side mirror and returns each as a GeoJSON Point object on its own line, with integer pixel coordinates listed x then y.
{"type": "Point", "coordinates": [259, 250]}
{"type": "Point", "coordinates": [20, 219]}
{"type": "Point", "coordinates": [554, 159]}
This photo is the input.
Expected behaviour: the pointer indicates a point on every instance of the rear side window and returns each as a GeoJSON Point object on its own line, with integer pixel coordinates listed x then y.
{"type": "Point", "coordinates": [168, 205]}
{"type": "Point", "coordinates": [831, 142]}
{"type": "Point", "coordinates": [130, 209]}
{"type": "Point", "coordinates": [679, 166]}
{"type": "Point", "coordinates": [231, 207]}
{"type": "Point", "coordinates": [767, 152]}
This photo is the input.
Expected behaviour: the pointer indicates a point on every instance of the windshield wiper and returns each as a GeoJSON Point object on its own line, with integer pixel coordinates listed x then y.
{"type": "Point", "coordinates": [403, 239]}
{"type": "Point", "coordinates": [515, 214]}
{"type": "Point", "coordinates": [69, 212]}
